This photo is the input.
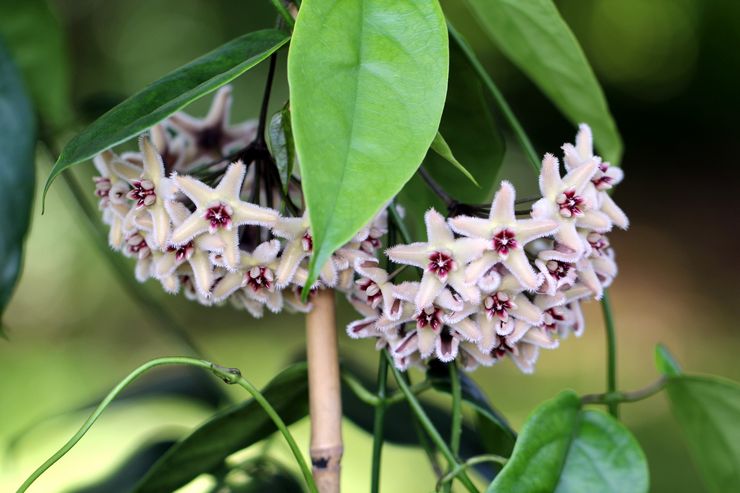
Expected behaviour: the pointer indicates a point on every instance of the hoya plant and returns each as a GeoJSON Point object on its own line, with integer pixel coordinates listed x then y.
{"type": "Point", "coordinates": [379, 181]}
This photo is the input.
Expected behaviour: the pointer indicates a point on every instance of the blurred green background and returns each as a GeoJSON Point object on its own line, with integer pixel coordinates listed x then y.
{"type": "Point", "coordinates": [670, 69]}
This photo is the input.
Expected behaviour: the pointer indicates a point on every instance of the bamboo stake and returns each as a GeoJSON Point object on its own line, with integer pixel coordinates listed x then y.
{"type": "Point", "coordinates": [325, 403]}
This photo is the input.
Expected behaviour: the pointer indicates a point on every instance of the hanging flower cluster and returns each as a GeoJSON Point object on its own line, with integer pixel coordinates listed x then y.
{"type": "Point", "coordinates": [499, 285]}
{"type": "Point", "coordinates": [492, 284]}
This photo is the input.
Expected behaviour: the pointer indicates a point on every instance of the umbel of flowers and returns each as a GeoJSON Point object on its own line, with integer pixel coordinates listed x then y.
{"type": "Point", "coordinates": [494, 284]}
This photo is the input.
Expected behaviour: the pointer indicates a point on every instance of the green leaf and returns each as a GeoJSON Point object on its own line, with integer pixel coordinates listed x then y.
{"type": "Point", "coordinates": [566, 449]}
{"type": "Point", "coordinates": [367, 87]}
{"type": "Point", "coordinates": [228, 431]}
{"type": "Point", "coordinates": [35, 39]}
{"type": "Point", "coordinates": [440, 146]}
{"type": "Point", "coordinates": [471, 132]}
{"type": "Point", "coordinates": [169, 95]}
{"type": "Point", "coordinates": [17, 147]}
{"type": "Point", "coordinates": [665, 362]}
{"type": "Point", "coordinates": [535, 37]}
{"type": "Point", "coordinates": [282, 146]}
{"type": "Point", "coordinates": [708, 410]}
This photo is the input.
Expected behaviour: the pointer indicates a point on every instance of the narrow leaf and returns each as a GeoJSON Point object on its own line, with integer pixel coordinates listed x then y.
{"type": "Point", "coordinates": [228, 431]}
{"type": "Point", "coordinates": [17, 144]}
{"type": "Point", "coordinates": [563, 448]}
{"type": "Point", "coordinates": [36, 41]}
{"type": "Point", "coordinates": [367, 87]}
{"type": "Point", "coordinates": [665, 362]}
{"type": "Point", "coordinates": [168, 95]}
{"type": "Point", "coordinates": [535, 37]}
{"type": "Point", "coordinates": [708, 410]}
{"type": "Point", "coordinates": [440, 146]}
{"type": "Point", "coordinates": [282, 145]}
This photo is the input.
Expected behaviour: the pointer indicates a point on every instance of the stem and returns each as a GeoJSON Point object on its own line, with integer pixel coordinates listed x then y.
{"type": "Point", "coordinates": [436, 187]}
{"type": "Point", "coordinates": [611, 347]}
{"type": "Point", "coordinates": [359, 390]}
{"type": "Point", "coordinates": [634, 396]}
{"type": "Point", "coordinates": [378, 424]}
{"type": "Point", "coordinates": [429, 427]}
{"type": "Point", "coordinates": [325, 402]}
{"type": "Point", "coordinates": [469, 463]}
{"type": "Point", "coordinates": [283, 11]}
{"type": "Point", "coordinates": [456, 431]}
{"type": "Point", "coordinates": [229, 375]}
{"type": "Point", "coordinates": [396, 218]}
{"type": "Point", "coordinates": [260, 139]}
{"type": "Point", "coordinates": [509, 115]}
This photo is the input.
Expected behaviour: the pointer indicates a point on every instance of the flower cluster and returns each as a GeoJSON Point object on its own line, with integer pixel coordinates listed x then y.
{"type": "Point", "coordinates": [499, 285]}
{"type": "Point", "coordinates": [492, 284]}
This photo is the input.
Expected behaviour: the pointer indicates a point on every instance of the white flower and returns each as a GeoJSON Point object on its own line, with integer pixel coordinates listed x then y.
{"type": "Point", "coordinates": [443, 259]}
{"type": "Point", "coordinates": [219, 211]}
{"type": "Point", "coordinates": [505, 238]}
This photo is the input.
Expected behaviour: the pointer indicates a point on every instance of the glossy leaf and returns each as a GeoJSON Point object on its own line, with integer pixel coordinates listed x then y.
{"type": "Point", "coordinates": [565, 449]}
{"type": "Point", "coordinates": [228, 431]}
{"type": "Point", "coordinates": [474, 137]}
{"type": "Point", "coordinates": [282, 145]}
{"type": "Point", "coordinates": [17, 147]}
{"type": "Point", "coordinates": [168, 95]}
{"type": "Point", "coordinates": [36, 41]}
{"type": "Point", "coordinates": [442, 148]}
{"type": "Point", "coordinates": [367, 87]}
{"type": "Point", "coordinates": [708, 410]}
{"type": "Point", "coordinates": [535, 37]}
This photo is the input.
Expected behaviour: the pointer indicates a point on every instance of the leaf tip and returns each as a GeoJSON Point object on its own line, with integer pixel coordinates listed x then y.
{"type": "Point", "coordinates": [665, 362]}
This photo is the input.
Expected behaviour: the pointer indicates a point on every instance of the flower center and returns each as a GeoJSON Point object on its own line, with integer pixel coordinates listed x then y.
{"type": "Point", "coordinates": [136, 245]}
{"type": "Point", "coordinates": [504, 241]}
{"type": "Point", "coordinates": [570, 204]}
{"type": "Point", "coordinates": [558, 269]}
{"type": "Point", "coordinates": [440, 264]}
{"type": "Point", "coordinates": [143, 193]}
{"type": "Point", "coordinates": [552, 317]}
{"type": "Point", "coordinates": [599, 243]}
{"type": "Point", "coordinates": [102, 186]}
{"type": "Point", "coordinates": [259, 277]}
{"type": "Point", "coordinates": [307, 242]}
{"type": "Point", "coordinates": [498, 305]}
{"type": "Point", "coordinates": [601, 180]}
{"type": "Point", "coordinates": [372, 291]}
{"type": "Point", "coordinates": [430, 317]}
{"type": "Point", "coordinates": [503, 347]}
{"type": "Point", "coordinates": [219, 216]}
{"type": "Point", "coordinates": [182, 252]}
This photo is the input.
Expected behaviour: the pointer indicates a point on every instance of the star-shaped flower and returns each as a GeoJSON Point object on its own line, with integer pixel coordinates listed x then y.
{"type": "Point", "coordinates": [604, 179]}
{"type": "Point", "coordinates": [564, 202]}
{"type": "Point", "coordinates": [443, 258]}
{"type": "Point", "coordinates": [213, 137]}
{"type": "Point", "coordinates": [219, 211]}
{"type": "Point", "coordinates": [505, 238]}
{"type": "Point", "coordinates": [522, 345]}
{"type": "Point", "coordinates": [150, 191]}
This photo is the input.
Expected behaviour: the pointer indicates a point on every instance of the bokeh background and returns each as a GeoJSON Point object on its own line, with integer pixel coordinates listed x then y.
{"type": "Point", "coordinates": [670, 69]}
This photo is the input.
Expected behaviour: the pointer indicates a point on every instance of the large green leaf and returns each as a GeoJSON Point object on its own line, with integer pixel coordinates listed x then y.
{"type": "Point", "coordinates": [168, 95]}
{"type": "Point", "coordinates": [227, 432]}
{"type": "Point", "coordinates": [708, 410]}
{"type": "Point", "coordinates": [367, 88]}
{"type": "Point", "coordinates": [17, 141]}
{"type": "Point", "coordinates": [473, 136]}
{"type": "Point", "coordinates": [36, 40]}
{"type": "Point", "coordinates": [566, 449]}
{"type": "Point", "coordinates": [535, 37]}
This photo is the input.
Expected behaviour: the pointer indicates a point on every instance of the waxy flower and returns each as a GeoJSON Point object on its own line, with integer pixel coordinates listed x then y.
{"type": "Point", "coordinates": [522, 345]}
{"type": "Point", "coordinates": [299, 246]}
{"type": "Point", "coordinates": [219, 211]}
{"type": "Point", "coordinates": [443, 258]}
{"type": "Point", "coordinates": [563, 201]}
{"type": "Point", "coordinates": [505, 238]}
{"type": "Point", "coordinates": [212, 137]}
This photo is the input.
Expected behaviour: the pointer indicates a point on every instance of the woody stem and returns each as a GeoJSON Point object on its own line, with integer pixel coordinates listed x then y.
{"type": "Point", "coordinates": [325, 403]}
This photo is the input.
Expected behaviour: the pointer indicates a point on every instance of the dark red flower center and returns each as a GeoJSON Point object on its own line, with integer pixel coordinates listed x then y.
{"type": "Point", "coordinates": [142, 192]}
{"type": "Point", "coordinates": [136, 245]}
{"type": "Point", "coordinates": [498, 305]}
{"type": "Point", "coordinates": [102, 186]}
{"type": "Point", "coordinates": [558, 269]}
{"type": "Point", "coordinates": [440, 264]}
{"type": "Point", "coordinates": [598, 242]}
{"type": "Point", "coordinates": [504, 241]}
{"type": "Point", "coordinates": [552, 317]}
{"type": "Point", "coordinates": [372, 292]}
{"type": "Point", "coordinates": [218, 216]}
{"type": "Point", "coordinates": [501, 348]}
{"type": "Point", "coordinates": [430, 317]}
{"type": "Point", "coordinates": [182, 252]}
{"type": "Point", "coordinates": [570, 204]}
{"type": "Point", "coordinates": [307, 242]}
{"type": "Point", "coordinates": [259, 277]}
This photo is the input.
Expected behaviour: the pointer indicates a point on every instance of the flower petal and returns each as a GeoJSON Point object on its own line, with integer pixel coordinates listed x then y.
{"type": "Point", "coordinates": [519, 266]}
{"type": "Point", "coordinates": [502, 207]}
{"type": "Point", "coordinates": [429, 288]}
{"type": "Point", "coordinates": [438, 232]}
{"type": "Point", "coordinates": [473, 227]}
